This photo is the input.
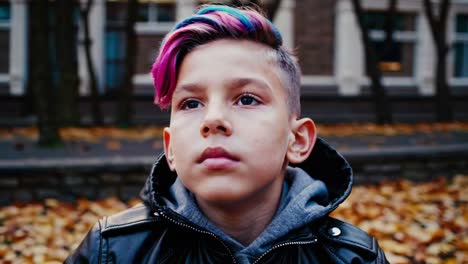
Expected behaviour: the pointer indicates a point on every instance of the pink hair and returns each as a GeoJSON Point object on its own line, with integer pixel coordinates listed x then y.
{"type": "Point", "coordinates": [210, 23]}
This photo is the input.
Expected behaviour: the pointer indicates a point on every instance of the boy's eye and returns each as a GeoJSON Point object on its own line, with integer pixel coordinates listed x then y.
{"type": "Point", "coordinates": [190, 104]}
{"type": "Point", "coordinates": [247, 100]}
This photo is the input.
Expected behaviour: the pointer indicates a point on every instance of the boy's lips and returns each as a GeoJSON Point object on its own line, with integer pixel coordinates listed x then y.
{"type": "Point", "coordinates": [217, 158]}
{"type": "Point", "coordinates": [216, 153]}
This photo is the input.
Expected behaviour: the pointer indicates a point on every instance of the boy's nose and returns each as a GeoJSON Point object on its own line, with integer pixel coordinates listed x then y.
{"type": "Point", "coordinates": [215, 123]}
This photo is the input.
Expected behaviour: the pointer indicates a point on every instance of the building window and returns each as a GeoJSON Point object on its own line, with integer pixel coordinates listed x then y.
{"type": "Point", "coordinates": [461, 46]}
{"type": "Point", "coordinates": [4, 11]}
{"type": "Point", "coordinates": [5, 14]}
{"type": "Point", "coordinates": [396, 58]}
{"type": "Point", "coordinates": [116, 13]}
{"type": "Point", "coordinates": [154, 19]}
{"type": "Point", "coordinates": [156, 11]}
{"type": "Point", "coordinates": [115, 58]}
{"type": "Point", "coordinates": [149, 11]}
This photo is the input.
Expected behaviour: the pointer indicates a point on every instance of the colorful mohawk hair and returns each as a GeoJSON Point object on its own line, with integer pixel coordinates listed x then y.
{"type": "Point", "coordinates": [211, 22]}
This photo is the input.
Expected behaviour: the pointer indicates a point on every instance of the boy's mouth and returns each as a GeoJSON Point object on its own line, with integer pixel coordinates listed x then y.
{"type": "Point", "coordinates": [216, 153]}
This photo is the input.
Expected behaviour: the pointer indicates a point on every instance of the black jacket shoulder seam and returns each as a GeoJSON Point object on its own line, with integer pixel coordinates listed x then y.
{"type": "Point", "coordinates": [130, 224]}
{"type": "Point", "coordinates": [371, 247]}
{"type": "Point", "coordinates": [142, 218]}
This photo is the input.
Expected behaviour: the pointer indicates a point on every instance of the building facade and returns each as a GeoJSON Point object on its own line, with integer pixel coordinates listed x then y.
{"type": "Point", "coordinates": [324, 35]}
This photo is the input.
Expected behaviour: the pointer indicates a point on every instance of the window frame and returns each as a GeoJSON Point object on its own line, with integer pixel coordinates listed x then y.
{"type": "Point", "coordinates": [153, 26]}
{"type": "Point", "coordinates": [455, 38]}
{"type": "Point", "coordinates": [400, 36]}
{"type": "Point", "coordinates": [413, 81]}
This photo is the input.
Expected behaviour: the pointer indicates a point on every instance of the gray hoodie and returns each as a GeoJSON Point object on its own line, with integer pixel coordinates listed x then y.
{"type": "Point", "coordinates": [303, 200]}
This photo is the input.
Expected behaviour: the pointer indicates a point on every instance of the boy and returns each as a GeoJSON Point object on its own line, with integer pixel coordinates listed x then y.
{"type": "Point", "coordinates": [223, 191]}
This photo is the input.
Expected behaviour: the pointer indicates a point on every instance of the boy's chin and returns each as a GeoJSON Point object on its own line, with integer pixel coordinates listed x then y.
{"type": "Point", "coordinates": [221, 197]}
{"type": "Point", "coordinates": [232, 192]}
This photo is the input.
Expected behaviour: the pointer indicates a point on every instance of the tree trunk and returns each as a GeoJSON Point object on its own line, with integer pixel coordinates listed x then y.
{"type": "Point", "coordinates": [125, 109]}
{"type": "Point", "coordinates": [41, 78]}
{"type": "Point", "coordinates": [65, 39]}
{"type": "Point", "coordinates": [95, 102]}
{"type": "Point", "coordinates": [272, 9]}
{"type": "Point", "coordinates": [389, 26]}
{"type": "Point", "coordinates": [438, 26]}
{"type": "Point", "coordinates": [381, 102]}
{"type": "Point", "coordinates": [28, 104]}
{"type": "Point", "coordinates": [443, 99]}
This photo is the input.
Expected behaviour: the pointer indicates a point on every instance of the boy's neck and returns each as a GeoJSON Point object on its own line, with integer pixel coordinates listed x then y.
{"type": "Point", "coordinates": [245, 221]}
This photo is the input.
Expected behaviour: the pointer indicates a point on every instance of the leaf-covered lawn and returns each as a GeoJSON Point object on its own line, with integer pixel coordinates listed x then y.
{"type": "Point", "coordinates": [414, 222]}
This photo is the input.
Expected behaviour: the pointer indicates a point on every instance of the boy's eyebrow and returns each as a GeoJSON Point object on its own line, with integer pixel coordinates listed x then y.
{"type": "Point", "coordinates": [233, 83]}
{"type": "Point", "coordinates": [189, 87]}
{"type": "Point", "coordinates": [241, 82]}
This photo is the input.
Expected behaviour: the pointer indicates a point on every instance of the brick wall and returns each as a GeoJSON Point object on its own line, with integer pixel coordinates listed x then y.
{"type": "Point", "coordinates": [314, 36]}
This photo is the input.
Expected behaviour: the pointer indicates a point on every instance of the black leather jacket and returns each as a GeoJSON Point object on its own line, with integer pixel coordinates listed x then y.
{"type": "Point", "coordinates": [152, 233]}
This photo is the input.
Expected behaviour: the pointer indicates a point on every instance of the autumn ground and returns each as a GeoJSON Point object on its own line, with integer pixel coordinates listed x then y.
{"type": "Point", "coordinates": [415, 222]}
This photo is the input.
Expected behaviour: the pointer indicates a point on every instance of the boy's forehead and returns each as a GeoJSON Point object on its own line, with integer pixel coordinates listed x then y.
{"type": "Point", "coordinates": [236, 47]}
{"type": "Point", "coordinates": [219, 53]}
{"type": "Point", "coordinates": [237, 61]}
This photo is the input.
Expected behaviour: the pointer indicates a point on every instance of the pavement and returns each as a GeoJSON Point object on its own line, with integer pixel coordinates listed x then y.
{"type": "Point", "coordinates": [22, 154]}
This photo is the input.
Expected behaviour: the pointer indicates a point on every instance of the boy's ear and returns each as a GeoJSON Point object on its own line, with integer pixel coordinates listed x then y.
{"type": "Point", "coordinates": [302, 140]}
{"type": "Point", "coordinates": [168, 149]}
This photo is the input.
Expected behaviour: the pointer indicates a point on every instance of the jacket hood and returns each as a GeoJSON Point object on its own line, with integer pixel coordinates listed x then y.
{"type": "Point", "coordinates": [324, 164]}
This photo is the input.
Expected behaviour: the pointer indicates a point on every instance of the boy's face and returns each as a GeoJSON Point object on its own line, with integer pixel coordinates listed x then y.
{"type": "Point", "coordinates": [230, 127]}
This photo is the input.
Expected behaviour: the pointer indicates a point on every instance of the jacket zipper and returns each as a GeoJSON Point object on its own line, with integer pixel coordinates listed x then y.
{"type": "Point", "coordinates": [199, 231]}
{"type": "Point", "coordinates": [283, 245]}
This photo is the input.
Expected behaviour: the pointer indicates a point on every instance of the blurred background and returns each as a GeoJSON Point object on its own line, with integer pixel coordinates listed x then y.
{"type": "Point", "coordinates": [385, 80]}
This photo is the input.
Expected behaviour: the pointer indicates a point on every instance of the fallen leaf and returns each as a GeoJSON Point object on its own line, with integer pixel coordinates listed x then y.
{"type": "Point", "coordinates": [113, 145]}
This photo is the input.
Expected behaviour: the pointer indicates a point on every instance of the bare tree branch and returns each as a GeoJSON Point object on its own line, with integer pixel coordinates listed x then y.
{"type": "Point", "coordinates": [95, 104]}
{"type": "Point", "coordinates": [382, 105]}
{"type": "Point", "coordinates": [125, 107]}
{"type": "Point", "coordinates": [41, 77]}
{"type": "Point", "coordinates": [272, 8]}
{"type": "Point", "coordinates": [445, 6]}
{"type": "Point", "coordinates": [389, 25]}
{"type": "Point", "coordinates": [438, 26]}
{"type": "Point", "coordinates": [433, 23]}
{"type": "Point", "coordinates": [68, 80]}
{"type": "Point", "coordinates": [443, 19]}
